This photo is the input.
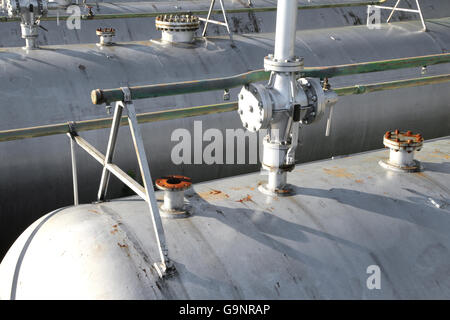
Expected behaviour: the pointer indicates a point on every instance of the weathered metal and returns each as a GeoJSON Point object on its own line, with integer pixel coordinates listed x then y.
{"type": "Point", "coordinates": [174, 187]}
{"type": "Point", "coordinates": [100, 96]}
{"type": "Point", "coordinates": [402, 146]}
{"type": "Point", "coordinates": [72, 71]}
{"type": "Point", "coordinates": [346, 218]}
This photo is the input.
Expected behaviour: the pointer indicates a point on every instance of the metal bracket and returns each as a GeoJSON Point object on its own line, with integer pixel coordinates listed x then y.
{"type": "Point", "coordinates": [126, 94]}
{"type": "Point", "coordinates": [164, 267]}
{"type": "Point", "coordinates": [208, 20]}
{"type": "Point", "coordinates": [395, 8]}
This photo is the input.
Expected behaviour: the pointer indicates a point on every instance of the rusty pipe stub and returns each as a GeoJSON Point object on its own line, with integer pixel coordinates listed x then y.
{"type": "Point", "coordinates": [174, 187]}
{"type": "Point", "coordinates": [106, 35]}
{"type": "Point", "coordinates": [402, 146]}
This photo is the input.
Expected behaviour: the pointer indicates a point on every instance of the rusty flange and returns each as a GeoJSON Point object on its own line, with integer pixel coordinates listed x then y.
{"type": "Point", "coordinates": [105, 31]}
{"type": "Point", "coordinates": [185, 22]}
{"type": "Point", "coordinates": [402, 146]}
{"type": "Point", "coordinates": [174, 183]}
{"type": "Point", "coordinates": [408, 141]}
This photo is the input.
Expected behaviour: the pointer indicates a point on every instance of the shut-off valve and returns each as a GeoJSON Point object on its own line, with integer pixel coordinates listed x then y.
{"type": "Point", "coordinates": [30, 13]}
{"type": "Point", "coordinates": [286, 101]}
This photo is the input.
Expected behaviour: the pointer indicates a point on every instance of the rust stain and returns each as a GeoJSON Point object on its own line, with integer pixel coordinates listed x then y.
{"type": "Point", "coordinates": [235, 188]}
{"type": "Point", "coordinates": [439, 154]}
{"type": "Point", "coordinates": [359, 181]}
{"type": "Point", "coordinates": [213, 195]}
{"type": "Point", "coordinates": [122, 245]}
{"type": "Point", "coordinates": [114, 230]}
{"type": "Point", "coordinates": [338, 172]}
{"type": "Point", "coordinates": [420, 174]}
{"type": "Point", "coordinates": [247, 198]}
{"type": "Point", "coordinates": [94, 211]}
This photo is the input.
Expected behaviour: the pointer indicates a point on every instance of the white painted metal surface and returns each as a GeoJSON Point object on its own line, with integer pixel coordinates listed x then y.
{"type": "Point", "coordinates": [358, 121]}
{"type": "Point", "coordinates": [345, 215]}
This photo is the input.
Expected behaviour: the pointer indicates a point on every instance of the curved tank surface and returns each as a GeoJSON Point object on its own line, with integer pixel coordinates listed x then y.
{"type": "Point", "coordinates": [141, 29]}
{"type": "Point", "coordinates": [345, 218]}
{"type": "Point", "coordinates": [53, 85]}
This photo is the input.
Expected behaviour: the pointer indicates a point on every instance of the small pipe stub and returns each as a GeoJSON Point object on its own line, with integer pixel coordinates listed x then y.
{"type": "Point", "coordinates": [174, 187]}
{"type": "Point", "coordinates": [106, 35]}
{"type": "Point", "coordinates": [402, 146]}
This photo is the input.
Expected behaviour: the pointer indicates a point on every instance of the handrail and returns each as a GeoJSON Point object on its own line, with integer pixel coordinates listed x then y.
{"type": "Point", "coordinates": [95, 124]}
{"type": "Point", "coordinates": [202, 12]}
{"type": "Point", "coordinates": [100, 96]}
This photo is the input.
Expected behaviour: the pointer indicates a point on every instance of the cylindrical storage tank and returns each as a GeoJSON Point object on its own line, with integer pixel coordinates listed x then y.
{"type": "Point", "coordinates": [260, 21]}
{"type": "Point", "coordinates": [350, 230]}
{"type": "Point", "coordinates": [53, 85]}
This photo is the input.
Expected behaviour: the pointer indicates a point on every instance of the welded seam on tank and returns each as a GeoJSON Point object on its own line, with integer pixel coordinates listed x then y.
{"type": "Point", "coordinates": [24, 250]}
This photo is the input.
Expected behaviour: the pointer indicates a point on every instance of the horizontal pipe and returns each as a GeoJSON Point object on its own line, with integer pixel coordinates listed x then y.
{"type": "Point", "coordinates": [95, 124]}
{"type": "Point", "coordinates": [392, 85]}
{"type": "Point", "coordinates": [201, 12]}
{"type": "Point", "coordinates": [100, 96]}
{"type": "Point", "coordinates": [103, 123]}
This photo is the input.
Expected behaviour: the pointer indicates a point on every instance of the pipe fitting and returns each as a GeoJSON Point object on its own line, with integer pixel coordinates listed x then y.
{"type": "Point", "coordinates": [177, 28]}
{"type": "Point", "coordinates": [402, 146]}
{"type": "Point", "coordinates": [105, 35]}
{"type": "Point", "coordinates": [174, 187]}
{"type": "Point", "coordinates": [30, 34]}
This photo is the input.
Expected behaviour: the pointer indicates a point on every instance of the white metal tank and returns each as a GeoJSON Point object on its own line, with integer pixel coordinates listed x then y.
{"type": "Point", "coordinates": [40, 167]}
{"type": "Point", "coordinates": [345, 218]}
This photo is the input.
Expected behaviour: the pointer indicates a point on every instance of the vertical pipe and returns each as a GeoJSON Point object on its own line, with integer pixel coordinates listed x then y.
{"type": "Point", "coordinates": [285, 29]}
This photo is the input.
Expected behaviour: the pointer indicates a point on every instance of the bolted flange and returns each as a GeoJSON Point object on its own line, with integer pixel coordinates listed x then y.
{"type": "Point", "coordinates": [402, 146]}
{"type": "Point", "coordinates": [177, 28]}
{"type": "Point", "coordinates": [288, 65]}
{"type": "Point", "coordinates": [174, 187]}
{"type": "Point", "coordinates": [255, 107]}
{"type": "Point", "coordinates": [106, 35]}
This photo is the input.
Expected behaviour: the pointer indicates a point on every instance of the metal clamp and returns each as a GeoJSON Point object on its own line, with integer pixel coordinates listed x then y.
{"type": "Point", "coordinates": [126, 94]}
{"type": "Point", "coordinates": [72, 128]}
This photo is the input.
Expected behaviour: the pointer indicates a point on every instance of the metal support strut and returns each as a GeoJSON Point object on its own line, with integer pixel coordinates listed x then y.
{"type": "Point", "coordinates": [74, 163]}
{"type": "Point", "coordinates": [395, 8]}
{"type": "Point", "coordinates": [165, 267]}
{"type": "Point", "coordinates": [208, 20]}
